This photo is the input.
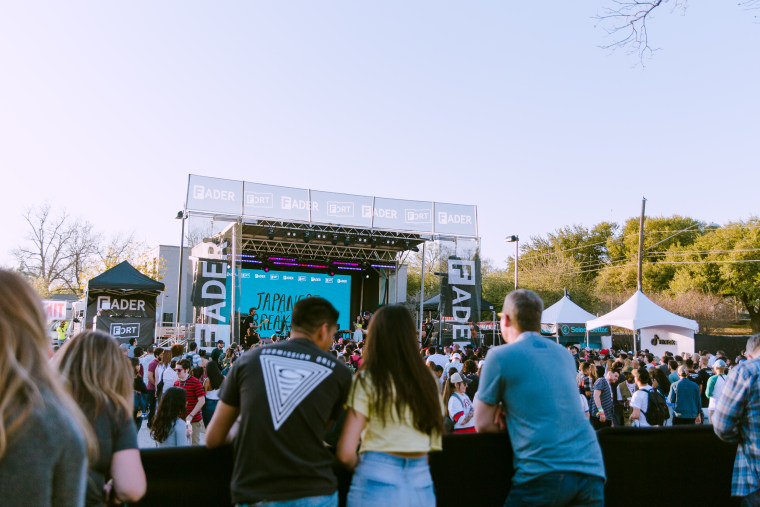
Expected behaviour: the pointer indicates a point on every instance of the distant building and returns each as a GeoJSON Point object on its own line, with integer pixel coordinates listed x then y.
{"type": "Point", "coordinates": [166, 306]}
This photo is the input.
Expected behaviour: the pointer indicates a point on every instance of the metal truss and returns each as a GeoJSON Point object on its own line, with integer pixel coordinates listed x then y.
{"type": "Point", "coordinates": [325, 243]}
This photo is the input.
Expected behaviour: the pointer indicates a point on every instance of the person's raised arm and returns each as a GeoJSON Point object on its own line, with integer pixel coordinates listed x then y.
{"type": "Point", "coordinates": [221, 422]}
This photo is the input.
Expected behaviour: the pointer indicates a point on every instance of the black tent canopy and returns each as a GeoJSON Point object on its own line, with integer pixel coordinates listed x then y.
{"type": "Point", "coordinates": [122, 303]}
{"type": "Point", "coordinates": [125, 277]}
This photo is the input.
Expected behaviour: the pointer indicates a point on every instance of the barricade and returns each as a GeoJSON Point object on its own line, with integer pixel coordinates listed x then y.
{"type": "Point", "coordinates": [685, 465]}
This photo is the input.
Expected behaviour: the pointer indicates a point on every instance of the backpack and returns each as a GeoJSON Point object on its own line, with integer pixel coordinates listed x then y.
{"type": "Point", "coordinates": [657, 412]}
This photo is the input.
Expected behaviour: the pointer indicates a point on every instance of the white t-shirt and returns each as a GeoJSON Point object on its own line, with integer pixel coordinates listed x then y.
{"type": "Point", "coordinates": [145, 362]}
{"type": "Point", "coordinates": [640, 400]}
{"type": "Point", "coordinates": [438, 359]}
{"type": "Point", "coordinates": [170, 377]}
{"type": "Point", "coordinates": [455, 364]}
{"type": "Point", "coordinates": [584, 404]}
{"type": "Point", "coordinates": [720, 383]}
{"type": "Point", "coordinates": [631, 389]}
{"type": "Point", "coordinates": [461, 404]}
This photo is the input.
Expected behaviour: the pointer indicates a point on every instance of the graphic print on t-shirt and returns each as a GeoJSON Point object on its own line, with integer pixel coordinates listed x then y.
{"type": "Point", "coordinates": [287, 382]}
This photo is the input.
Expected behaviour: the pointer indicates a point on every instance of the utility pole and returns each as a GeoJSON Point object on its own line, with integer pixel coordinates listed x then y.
{"type": "Point", "coordinates": [516, 240]}
{"type": "Point", "coordinates": [641, 244]}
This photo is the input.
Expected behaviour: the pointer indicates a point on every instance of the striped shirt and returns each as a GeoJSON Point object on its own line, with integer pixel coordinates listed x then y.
{"type": "Point", "coordinates": [195, 391]}
{"type": "Point", "coordinates": [606, 398]}
{"type": "Point", "coordinates": [737, 419]}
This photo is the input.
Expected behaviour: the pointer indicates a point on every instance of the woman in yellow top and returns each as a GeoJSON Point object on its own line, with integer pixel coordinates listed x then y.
{"type": "Point", "coordinates": [395, 410]}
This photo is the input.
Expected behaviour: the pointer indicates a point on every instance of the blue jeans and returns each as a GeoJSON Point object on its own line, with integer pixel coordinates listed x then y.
{"type": "Point", "coordinates": [382, 479]}
{"type": "Point", "coordinates": [558, 488]}
{"type": "Point", "coordinates": [309, 501]}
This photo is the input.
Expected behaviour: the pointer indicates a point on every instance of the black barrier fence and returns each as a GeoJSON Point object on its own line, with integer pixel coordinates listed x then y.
{"type": "Point", "coordinates": [731, 345]}
{"type": "Point", "coordinates": [671, 466]}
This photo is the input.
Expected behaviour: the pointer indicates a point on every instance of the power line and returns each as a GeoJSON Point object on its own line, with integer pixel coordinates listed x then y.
{"type": "Point", "coordinates": [557, 252]}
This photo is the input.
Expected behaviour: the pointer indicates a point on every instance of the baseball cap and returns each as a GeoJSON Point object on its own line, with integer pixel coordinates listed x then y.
{"type": "Point", "coordinates": [457, 378]}
{"type": "Point", "coordinates": [124, 346]}
{"type": "Point", "coordinates": [456, 355]}
{"type": "Point", "coordinates": [720, 363]}
{"type": "Point", "coordinates": [628, 369]}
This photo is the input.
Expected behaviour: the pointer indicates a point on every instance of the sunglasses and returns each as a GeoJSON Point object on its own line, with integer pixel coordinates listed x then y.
{"type": "Point", "coordinates": [178, 369]}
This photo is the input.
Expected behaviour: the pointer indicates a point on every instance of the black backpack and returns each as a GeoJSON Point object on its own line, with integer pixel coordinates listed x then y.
{"type": "Point", "coordinates": [657, 412]}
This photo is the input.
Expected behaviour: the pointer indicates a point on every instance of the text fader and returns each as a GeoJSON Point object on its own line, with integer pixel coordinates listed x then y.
{"type": "Point", "coordinates": [461, 272]}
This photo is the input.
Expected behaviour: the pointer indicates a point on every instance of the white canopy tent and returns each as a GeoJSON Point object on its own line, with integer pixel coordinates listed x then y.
{"type": "Point", "coordinates": [639, 313]}
{"type": "Point", "coordinates": [565, 311]}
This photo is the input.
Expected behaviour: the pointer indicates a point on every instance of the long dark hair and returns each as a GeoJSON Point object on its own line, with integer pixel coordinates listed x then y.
{"type": "Point", "coordinates": [171, 407]}
{"type": "Point", "coordinates": [214, 375]}
{"type": "Point", "coordinates": [399, 378]}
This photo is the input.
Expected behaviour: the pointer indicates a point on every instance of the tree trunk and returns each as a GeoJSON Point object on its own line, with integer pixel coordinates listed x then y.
{"type": "Point", "coordinates": [754, 315]}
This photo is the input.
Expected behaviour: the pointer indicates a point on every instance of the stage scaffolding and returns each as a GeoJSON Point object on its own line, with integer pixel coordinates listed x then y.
{"type": "Point", "coordinates": [371, 233]}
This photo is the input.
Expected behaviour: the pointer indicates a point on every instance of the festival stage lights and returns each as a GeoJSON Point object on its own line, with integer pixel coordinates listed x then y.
{"type": "Point", "coordinates": [340, 263]}
{"type": "Point", "coordinates": [383, 266]}
{"type": "Point", "coordinates": [350, 268]}
{"type": "Point", "coordinates": [346, 240]}
{"type": "Point", "coordinates": [270, 233]}
{"type": "Point", "coordinates": [281, 259]}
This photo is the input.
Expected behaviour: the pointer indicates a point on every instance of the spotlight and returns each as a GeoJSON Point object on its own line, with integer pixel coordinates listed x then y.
{"type": "Point", "coordinates": [270, 233]}
{"type": "Point", "coordinates": [307, 236]}
{"type": "Point", "coordinates": [266, 269]}
{"type": "Point", "coordinates": [346, 240]}
{"type": "Point", "coordinates": [373, 241]}
{"type": "Point", "coordinates": [335, 239]}
{"type": "Point", "coordinates": [408, 246]}
{"type": "Point", "coordinates": [332, 271]}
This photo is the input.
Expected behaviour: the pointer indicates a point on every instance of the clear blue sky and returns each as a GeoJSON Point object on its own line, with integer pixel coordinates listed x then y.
{"type": "Point", "coordinates": [105, 107]}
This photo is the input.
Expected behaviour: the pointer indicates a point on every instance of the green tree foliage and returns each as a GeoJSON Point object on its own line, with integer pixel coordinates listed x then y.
{"type": "Point", "coordinates": [661, 236]}
{"type": "Point", "coordinates": [724, 261]}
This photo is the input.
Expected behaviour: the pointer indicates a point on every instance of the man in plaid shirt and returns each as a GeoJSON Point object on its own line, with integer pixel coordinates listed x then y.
{"type": "Point", "coordinates": [737, 419]}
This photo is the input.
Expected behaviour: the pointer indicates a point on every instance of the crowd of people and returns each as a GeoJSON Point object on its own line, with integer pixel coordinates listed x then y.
{"type": "Point", "coordinates": [379, 405]}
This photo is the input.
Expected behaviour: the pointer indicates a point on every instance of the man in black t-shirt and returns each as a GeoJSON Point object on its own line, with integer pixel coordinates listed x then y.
{"type": "Point", "coordinates": [287, 394]}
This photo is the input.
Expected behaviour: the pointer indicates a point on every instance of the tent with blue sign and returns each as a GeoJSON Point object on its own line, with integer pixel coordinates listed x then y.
{"type": "Point", "coordinates": [566, 321]}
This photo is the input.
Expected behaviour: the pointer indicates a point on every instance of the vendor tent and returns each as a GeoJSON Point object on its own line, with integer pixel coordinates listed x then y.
{"type": "Point", "coordinates": [565, 311]}
{"type": "Point", "coordinates": [122, 302]}
{"type": "Point", "coordinates": [639, 313]}
{"type": "Point", "coordinates": [567, 320]}
{"type": "Point", "coordinates": [124, 277]}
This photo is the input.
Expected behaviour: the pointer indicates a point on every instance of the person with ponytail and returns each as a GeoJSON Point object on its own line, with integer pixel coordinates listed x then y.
{"type": "Point", "coordinates": [395, 409]}
{"type": "Point", "coordinates": [100, 378]}
{"type": "Point", "coordinates": [44, 437]}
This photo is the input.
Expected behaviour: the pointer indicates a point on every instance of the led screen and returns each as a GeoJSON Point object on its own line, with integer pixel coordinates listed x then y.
{"type": "Point", "coordinates": [274, 293]}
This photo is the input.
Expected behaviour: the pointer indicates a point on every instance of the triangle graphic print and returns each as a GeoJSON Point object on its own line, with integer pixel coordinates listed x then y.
{"type": "Point", "coordinates": [288, 382]}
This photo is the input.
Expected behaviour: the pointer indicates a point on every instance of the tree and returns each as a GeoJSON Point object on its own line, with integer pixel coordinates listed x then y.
{"type": "Point", "coordinates": [661, 235]}
{"type": "Point", "coordinates": [725, 261]}
{"type": "Point", "coordinates": [586, 246]}
{"type": "Point", "coordinates": [45, 256]}
{"type": "Point", "coordinates": [625, 22]}
{"type": "Point", "coordinates": [61, 253]}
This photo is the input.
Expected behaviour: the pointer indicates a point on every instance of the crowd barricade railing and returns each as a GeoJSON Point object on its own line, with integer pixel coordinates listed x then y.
{"type": "Point", "coordinates": [684, 465]}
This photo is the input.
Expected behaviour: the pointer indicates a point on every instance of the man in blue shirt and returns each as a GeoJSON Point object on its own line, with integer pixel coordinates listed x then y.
{"type": "Point", "coordinates": [528, 386]}
{"type": "Point", "coordinates": [685, 398]}
{"type": "Point", "coordinates": [737, 419]}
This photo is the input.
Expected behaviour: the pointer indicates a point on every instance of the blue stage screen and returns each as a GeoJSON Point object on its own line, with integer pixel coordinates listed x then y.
{"type": "Point", "coordinates": [274, 293]}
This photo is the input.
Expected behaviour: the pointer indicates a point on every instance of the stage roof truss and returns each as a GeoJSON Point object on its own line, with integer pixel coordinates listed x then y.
{"type": "Point", "coordinates": [326, 242]}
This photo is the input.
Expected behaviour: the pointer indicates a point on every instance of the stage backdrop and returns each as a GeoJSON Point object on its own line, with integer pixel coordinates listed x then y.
{"type": "Point", "coordinates": [274, 293]}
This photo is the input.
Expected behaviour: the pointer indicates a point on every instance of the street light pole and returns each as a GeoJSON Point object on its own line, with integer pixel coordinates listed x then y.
{"type": "Point", "coordinates": [180, 216]}
{"type": "Point", "coordinates": [516, 240]}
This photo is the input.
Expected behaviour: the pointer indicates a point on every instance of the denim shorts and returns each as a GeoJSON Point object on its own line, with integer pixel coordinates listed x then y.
{"type": "Point", "coordinates": [382, 479]}
{"type": "Point", "coordinates": [558, 488]}
{"type": "Point", "coordinates": [309, 501]}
